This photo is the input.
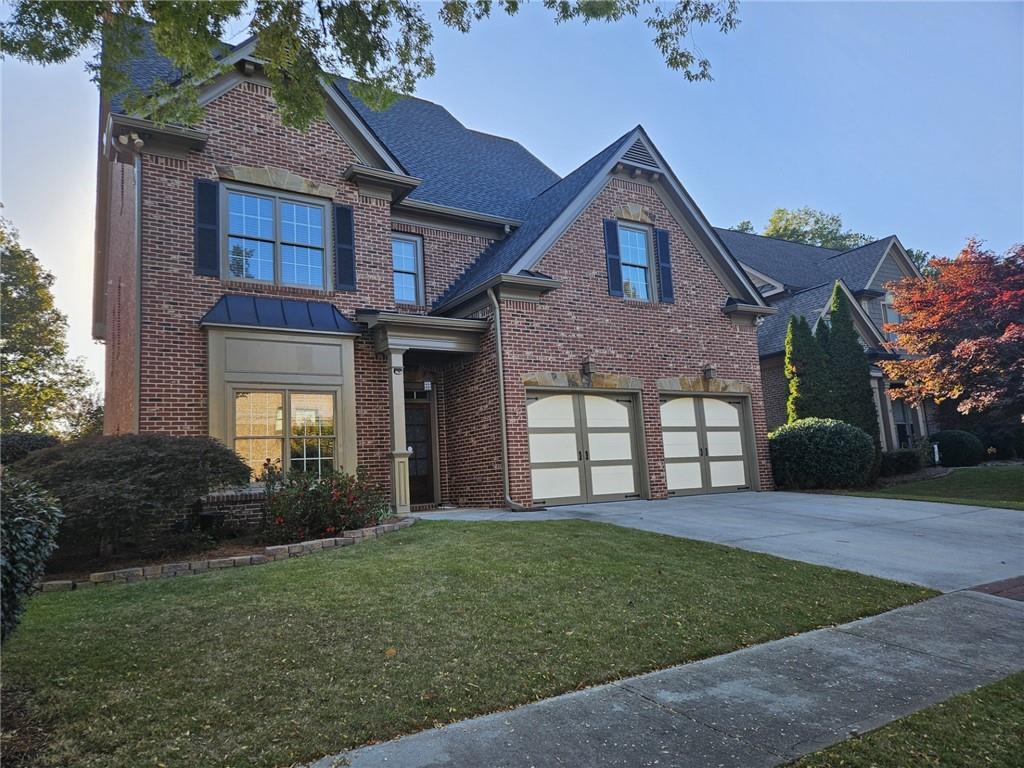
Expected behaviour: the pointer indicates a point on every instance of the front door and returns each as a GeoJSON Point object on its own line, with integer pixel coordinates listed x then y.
{"type": "Point", "coordinates": [419, 436]}
{"type": "Point", "coordinates": [705, 444]}
{"type": "Point", "coordinates": [582, 448]}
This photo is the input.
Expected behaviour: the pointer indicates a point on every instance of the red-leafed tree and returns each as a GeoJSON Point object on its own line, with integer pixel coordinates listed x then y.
{"type": "Point", "coordinates": [962, 330]}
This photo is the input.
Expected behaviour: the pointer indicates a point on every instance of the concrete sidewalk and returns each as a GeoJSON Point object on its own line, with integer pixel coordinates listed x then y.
{"type": "Point", "coordinates": [761, 706]}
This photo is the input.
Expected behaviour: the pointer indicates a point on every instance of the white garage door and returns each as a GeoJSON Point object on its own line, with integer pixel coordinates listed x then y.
{"type": "Point", "coordinates": [582, 448]}
{"type": "Point", "coordinates": [705, 444]}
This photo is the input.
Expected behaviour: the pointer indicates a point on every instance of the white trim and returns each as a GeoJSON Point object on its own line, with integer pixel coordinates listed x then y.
{"type": "Point", "coordinates": [858, 311]}
{"type": "Point", "coordinates": [903, 256]}
{"type": "Point", "coordinates": [758, 275]}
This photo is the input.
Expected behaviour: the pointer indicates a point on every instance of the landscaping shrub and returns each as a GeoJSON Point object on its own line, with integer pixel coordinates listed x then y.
{"type": "Point", "coordinates": [958, 448]}
{"type": "Point", "coordinates": [900, 462]}
{"type": "Point", "coordinates": [821, 453]}
{"type": "Point", "coordinates": [307, 507]}
{"type": "Point", "coordinates": [131, 493]}
{"type": "Point", "coordinates": [17, 445]}
{"type": "Point", "coordinates": [28, 535]}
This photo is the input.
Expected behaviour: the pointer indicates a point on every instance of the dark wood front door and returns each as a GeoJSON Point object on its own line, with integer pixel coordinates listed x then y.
{"type": "Point", "coordinates": [421, 461]}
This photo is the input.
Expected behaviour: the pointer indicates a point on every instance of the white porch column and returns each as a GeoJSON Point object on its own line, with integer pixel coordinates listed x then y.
{"type": "Point", "coordinates": [399, 447]}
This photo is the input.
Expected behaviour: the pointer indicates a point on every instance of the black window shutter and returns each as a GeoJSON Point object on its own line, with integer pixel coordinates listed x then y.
{"type": "Point", "coordinates": [665, 294]}
{"type": "Point", "coordinates": [611, 249]}
{"type": "Point", "coordinates": [207, 227]}
{"type": "Point", "coordinates": [344, 248]}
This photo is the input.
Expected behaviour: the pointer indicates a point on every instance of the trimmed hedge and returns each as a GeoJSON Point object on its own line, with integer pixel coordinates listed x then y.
{"type": "Point", "coordinates": [15, 446]}
{"type": "Point", "coordinates": [131, 493]}
{"type": "Point", "coordinates": [901, 462]}
{"type": "Point", "coordinates": [29, 518]}
{"type": "Point", "coordinates": [821, 453]}
{"type": "Point", "coordinates": [958, 448]}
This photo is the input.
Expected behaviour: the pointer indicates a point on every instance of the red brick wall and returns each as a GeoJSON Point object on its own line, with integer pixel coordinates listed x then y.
{"type": "Point", "coordinates": [122, 333]}
{"type": "Point", "coordinates": [645, 340]}
{"type": "Point", "coordinates": [776, 391]}
{"type": "Point", "coordinates": [473, 428]}
{"type": "Point", "coordinates": [244, 130]}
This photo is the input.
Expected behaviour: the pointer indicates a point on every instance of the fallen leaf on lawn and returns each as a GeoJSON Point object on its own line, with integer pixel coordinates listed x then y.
{"type": "Point", "coordinates": [390, 653]}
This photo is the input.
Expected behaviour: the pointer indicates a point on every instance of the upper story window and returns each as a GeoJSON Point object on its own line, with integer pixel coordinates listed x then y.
{"type": "Point", "coordinates": [275, 238]}
{"type": "Point", "coordinates": [889, 314]}
{"type": "Point", "coordinates": [407, 269]}
{"type": "Point", "coordinates": [635, 256]}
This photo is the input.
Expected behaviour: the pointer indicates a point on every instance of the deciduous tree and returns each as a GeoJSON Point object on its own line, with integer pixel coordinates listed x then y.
{"type": "Point", "coordinates": [963, 331]}
{"type": "Point", "coordinates": [385, 46]}
{"type": "Point", "coordinates": [39, 382]}
{"type": "Point", "coordinates": [813, 227]}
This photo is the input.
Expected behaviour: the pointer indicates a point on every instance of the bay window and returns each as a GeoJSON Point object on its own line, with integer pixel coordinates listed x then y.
{"type": "Point", "coordinates": [294, 430]}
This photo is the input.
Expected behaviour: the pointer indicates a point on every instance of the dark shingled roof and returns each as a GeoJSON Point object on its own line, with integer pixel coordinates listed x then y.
{"type": "Point", "coordinates": [538, 215]}
{"type": "Point", "coordinates": [460, 167]}
{"type": "Point", "coordinates": [149, 67]}
{"type": "Point", "coordinates": [793, 264]}
{"type": "Point", "coordinates": [771, 336]}
{"type": "Point", "coordinates": [270, 312]}
{"type": "Point", "coordinates": [797, 265]}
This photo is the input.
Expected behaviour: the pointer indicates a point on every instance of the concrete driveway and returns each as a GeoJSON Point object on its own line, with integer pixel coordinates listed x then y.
{"type": "Point", "coordinates": [943, 546]}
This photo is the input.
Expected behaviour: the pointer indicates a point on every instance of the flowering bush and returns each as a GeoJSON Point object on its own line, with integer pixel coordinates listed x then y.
{"type": "Point", "coordinates": [303, 506]}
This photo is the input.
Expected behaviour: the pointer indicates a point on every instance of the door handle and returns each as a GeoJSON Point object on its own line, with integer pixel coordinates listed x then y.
{"type": "Point", "coordinates": [579, 455]}
{"type": "Point", "coordinates": [588, 454]}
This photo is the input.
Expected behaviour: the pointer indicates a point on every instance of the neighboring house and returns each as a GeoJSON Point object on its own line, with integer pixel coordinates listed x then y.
{"type": "Point", "coordinates": [396, 291]}
{"type": "Point", "coordinates": [798, 280]}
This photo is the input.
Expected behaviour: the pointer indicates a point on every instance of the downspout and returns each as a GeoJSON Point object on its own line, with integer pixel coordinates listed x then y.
{"type": "Point", "coordinates": [496, 307]}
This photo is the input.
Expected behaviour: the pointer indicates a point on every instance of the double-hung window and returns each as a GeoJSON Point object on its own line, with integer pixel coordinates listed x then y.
{"type": "Point", "coordinates": [293, 430]}
{"type": "Point", "coordinates": [635, 256]}
{"type": "Point", "coordinates": [407, 269]}
{"type": "Point", "coordinates": [275, 238]}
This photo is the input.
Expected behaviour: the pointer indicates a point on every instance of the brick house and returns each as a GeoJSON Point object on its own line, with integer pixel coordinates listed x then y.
{"type": "Point", "coordinates": [798, 280]}
{"type": "Point", "coordinates": [396, 291]}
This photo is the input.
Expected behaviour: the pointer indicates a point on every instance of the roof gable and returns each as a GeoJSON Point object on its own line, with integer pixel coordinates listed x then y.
{"type": "Point", "coordinates": [548, 216]}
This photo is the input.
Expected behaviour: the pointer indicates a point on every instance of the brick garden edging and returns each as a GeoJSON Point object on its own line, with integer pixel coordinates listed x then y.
{"type": "Point", "coordinates": [187, 568]}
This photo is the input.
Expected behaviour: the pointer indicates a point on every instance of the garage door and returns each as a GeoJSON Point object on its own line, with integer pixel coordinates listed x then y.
{"type": "Point", "coordinates": [582, 448]}
{"type": "Point", "coordinates": [706, 445]}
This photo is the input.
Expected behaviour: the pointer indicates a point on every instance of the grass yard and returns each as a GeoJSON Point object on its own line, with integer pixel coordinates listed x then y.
{"type": "Point", "coordinates": [293, 660]}
{"type": "Point", "coordinates": [981, 728]}
{"type": "Point", "coordinates": [998, 486]}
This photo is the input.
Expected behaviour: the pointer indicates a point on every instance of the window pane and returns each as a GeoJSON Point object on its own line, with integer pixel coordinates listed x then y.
{"type": "Point", "coordinates": [302, 224]}
{"type": "Point", "coordinates": [302, 266]}
{"type": "Point", "coordinates": [312, 413]}
{"type": "Point", "coordinates": [633, 247]}
{"type": "Point", "coordinates": [634, 283]}
{"type": "Point", "coordinates": [314, 455]}
{"type": "Point", "coordinates": [250, 259]}
{"type": "Point", "coordinates": [259, 414]}
{"type": "Point", "coordinates": [255, 452]}
{"type": "Point", "coordinates": [250, 215]}
{"type": "Point", "coordinates": [405, 288]}
{"type": "Point", "coordinates": [403, 255]}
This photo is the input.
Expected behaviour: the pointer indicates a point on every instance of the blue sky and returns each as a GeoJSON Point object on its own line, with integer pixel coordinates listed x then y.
{"type": "Point", "coordinates": [904, 118]}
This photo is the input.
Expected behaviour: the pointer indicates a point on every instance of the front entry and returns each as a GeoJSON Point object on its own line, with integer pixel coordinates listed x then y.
{"type": "Point", "coordinates": [706, 444]}
{"type": "Point", "coordinates": [582, 447]}
{"type": "Point", "coordinates": [419, 435]}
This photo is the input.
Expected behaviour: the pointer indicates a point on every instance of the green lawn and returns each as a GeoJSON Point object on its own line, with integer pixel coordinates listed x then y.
{"type": "Point", "coordinates": [293, 660]}
{"type": "Point", "coordinates": [986, 486]}
{"type": "Point", "coordinates": [981, 728]}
